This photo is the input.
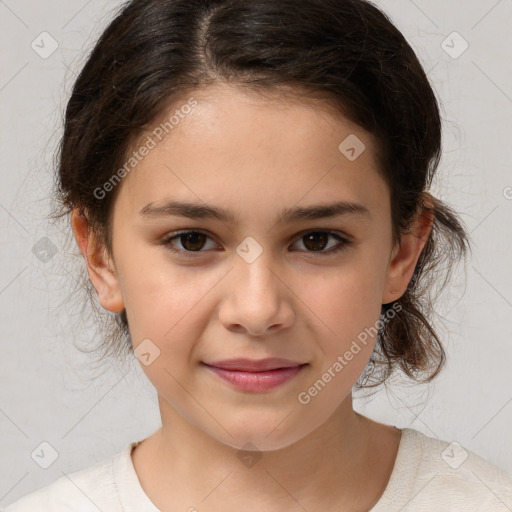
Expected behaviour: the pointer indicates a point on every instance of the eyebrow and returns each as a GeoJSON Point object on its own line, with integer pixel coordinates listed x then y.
{"type": "Point", "coordinates": [204, 211]}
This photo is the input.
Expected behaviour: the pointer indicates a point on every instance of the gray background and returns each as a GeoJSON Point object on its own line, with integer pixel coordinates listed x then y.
{"type": "Point", "coordinates": [48, 393]}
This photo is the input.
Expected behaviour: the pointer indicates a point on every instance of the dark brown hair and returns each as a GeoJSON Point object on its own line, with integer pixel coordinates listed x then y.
{"type": "Point", "coordinates": [344, 51]}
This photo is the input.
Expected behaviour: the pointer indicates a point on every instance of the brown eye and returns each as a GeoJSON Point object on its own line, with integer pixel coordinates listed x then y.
{"type": "Point", "coordinates": [193, 241]}
{"type": "Point", "coordinates": [190, 241]}
{"type": "Point", "coordinates": [316, 241]}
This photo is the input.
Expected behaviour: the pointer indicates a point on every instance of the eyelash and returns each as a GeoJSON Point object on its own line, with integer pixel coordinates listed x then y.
{"type": "Point", "coordinates": [167, 242]}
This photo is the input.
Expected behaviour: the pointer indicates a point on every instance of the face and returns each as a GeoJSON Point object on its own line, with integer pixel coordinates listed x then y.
{"type": "Point", "coordinates": [261, 280]}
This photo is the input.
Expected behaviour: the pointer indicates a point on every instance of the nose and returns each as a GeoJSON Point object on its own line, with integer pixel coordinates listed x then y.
{"type": "Point", "coordinates": [256, 298]}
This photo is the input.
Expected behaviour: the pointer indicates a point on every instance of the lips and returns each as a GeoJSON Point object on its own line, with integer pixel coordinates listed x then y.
{"type": "Point", "coordinates": [256, 376]}
{"type": "Point", "coordinates": [254, 365]}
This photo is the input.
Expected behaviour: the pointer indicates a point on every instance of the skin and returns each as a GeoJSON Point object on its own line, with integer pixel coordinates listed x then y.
{"type": "Point", "coordinates": [256, 156]}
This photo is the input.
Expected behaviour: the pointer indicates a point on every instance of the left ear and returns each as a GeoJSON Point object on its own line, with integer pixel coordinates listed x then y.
{"type": "Point", "coordinates": [402, 264]}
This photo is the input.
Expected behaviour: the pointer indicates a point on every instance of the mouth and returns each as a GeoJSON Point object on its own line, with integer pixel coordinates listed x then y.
{"type": "Point", "coordinates": [255, 365]}
{"type": "Point", "coordinates": [256, 375]}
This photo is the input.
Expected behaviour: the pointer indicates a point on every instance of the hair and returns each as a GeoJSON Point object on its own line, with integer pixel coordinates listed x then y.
{"type": "Point", "coordinates": [345, 52]}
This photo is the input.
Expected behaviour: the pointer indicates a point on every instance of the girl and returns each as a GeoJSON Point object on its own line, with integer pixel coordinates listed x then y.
{"type": "Point", "coordinates": [248, 183]}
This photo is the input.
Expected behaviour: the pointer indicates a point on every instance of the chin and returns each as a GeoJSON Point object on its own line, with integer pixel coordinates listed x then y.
{"type": "Point", "coordinates": [262, 436]}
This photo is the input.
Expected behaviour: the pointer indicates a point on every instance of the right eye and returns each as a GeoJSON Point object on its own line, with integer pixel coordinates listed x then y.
{"type": "Point", "coordinates": [191, 242]}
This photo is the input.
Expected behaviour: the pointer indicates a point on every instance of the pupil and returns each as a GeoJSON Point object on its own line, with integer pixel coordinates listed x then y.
{"type": "Point", "coordinates": [316, 246]}
{"type": "Point", "coordinates": [192, 237]}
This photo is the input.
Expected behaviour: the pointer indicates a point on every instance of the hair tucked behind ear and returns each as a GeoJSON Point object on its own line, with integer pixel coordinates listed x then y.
{"type": "Point", "coordinates": [407, 340]}
{"type": "Point", "coordinates": [344, 51]}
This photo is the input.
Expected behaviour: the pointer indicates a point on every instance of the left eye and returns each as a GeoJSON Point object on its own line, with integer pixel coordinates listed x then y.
{"type": "Point", "coordinates": [314, 241]}
{"type": "Point", "coordinates": [317, 241]}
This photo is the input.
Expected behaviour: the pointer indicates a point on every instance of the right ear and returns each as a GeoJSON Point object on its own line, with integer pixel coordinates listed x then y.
{"type": "Point", "coordinates": [99, 264]}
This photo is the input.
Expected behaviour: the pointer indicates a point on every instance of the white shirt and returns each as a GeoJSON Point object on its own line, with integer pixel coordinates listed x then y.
{"type": "Point", "coordinates": [428, 475]}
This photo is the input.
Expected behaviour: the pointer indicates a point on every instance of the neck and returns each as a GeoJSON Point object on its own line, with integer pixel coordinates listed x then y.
{"type": "Point", "coordinates": [332, 465]}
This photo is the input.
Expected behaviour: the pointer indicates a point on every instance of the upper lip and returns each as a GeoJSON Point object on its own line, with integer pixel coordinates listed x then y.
{"type": "Point", "coordinates": [254, 365]}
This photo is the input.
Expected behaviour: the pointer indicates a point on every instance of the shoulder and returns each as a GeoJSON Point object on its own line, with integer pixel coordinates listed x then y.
{"type": "Point", "coordinates": [444, 476]}
{"type": "Point", "coordinates": [87, 490]}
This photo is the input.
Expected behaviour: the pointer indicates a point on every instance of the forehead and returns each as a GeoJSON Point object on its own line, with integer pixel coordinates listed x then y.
{"type": "Point", "coordinates": [224, 144]}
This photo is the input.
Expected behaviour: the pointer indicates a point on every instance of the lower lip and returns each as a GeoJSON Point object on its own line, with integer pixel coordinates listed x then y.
{"type": "Point", "coordinates": [257, 381]}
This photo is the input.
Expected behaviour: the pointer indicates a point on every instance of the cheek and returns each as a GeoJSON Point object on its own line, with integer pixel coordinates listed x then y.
{"type": "Point", "coordinates": [164, 302]}
{"type": "Point", "coordinates": [349, 309]}
{"type": "Point", "coordinates": [348, 300]}
{"type": "Point", "coordinates": [169, 308]}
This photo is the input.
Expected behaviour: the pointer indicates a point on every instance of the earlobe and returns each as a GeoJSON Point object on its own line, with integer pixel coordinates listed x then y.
{"type": "Point", "coordinates": [401, 267]}
{"type": "Point", "coordinates": [98, 262]}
